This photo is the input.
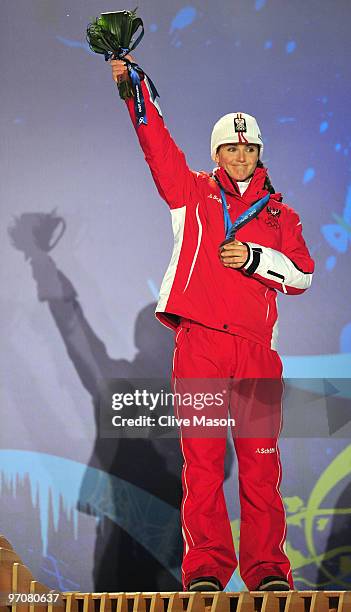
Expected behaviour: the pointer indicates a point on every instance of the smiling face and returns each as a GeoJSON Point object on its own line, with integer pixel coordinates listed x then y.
{"type": "Point", "coordinates": [239, 160]}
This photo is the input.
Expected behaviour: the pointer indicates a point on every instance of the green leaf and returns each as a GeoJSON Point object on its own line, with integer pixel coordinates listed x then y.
{"type": "Point", "coordinates": [113, 30]}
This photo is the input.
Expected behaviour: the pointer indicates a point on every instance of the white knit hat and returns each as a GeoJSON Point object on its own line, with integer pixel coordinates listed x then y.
{"type": "Point", "coordinates": [235, 127]}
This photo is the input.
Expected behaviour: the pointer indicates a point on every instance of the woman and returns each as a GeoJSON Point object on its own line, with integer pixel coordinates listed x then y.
{"type": "Point", "coordinates": [221, 301]}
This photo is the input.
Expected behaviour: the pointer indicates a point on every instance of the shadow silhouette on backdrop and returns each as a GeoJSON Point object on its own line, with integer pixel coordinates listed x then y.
{"type": "Point", "coordinates": [121, 561]}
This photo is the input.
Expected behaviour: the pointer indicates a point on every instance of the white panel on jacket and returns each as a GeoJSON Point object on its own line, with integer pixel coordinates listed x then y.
{"type": "Point", "coordinates": [178, 221]}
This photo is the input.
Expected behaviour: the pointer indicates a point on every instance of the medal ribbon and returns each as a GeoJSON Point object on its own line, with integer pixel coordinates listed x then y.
{"type": "Point", "coordinates": [134, 72]}
{"type": "Point", "coordinates": [243, 219]}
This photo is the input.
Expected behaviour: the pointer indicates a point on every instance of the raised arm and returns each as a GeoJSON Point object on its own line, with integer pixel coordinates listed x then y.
{"type": "Point", "coordinates": [173, 178]}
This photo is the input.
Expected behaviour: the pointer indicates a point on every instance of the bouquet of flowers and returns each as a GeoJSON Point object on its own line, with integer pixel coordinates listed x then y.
{"type": "Point", "coordinates": [111, 34]}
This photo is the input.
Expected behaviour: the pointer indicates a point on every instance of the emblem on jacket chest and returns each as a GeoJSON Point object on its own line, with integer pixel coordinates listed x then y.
{"type": "Point", "coordinates": [272, 218]}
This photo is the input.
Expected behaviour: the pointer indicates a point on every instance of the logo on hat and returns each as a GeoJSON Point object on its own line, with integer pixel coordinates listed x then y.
{"type": "Point", "coordinates": [240, 124]}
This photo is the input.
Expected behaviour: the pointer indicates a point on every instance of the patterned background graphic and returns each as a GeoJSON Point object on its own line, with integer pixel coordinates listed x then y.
{"type": "Point", "coordinates": [85, 243]}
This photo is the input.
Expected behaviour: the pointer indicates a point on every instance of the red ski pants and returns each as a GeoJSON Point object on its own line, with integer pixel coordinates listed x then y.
{"type": "Point", "coordinates": [201, 352]}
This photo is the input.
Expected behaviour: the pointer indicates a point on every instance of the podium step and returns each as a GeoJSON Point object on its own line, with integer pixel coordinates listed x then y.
{"type": "Point", "coordinates": [20, 592]}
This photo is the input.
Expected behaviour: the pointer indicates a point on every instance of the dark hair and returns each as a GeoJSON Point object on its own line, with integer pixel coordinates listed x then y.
{"type": "Point", "coordinates": [267, 184]}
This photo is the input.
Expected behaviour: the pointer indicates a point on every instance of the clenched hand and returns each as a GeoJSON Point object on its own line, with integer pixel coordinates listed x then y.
{"type": "Point", "coordinates": [119, 69]}
{"type": "Point", "coordinates": [233, 254]}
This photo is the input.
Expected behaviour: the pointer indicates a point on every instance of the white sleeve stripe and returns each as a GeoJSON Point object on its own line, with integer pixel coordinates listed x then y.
{"type": "Point", "coordinates": [273, 265]}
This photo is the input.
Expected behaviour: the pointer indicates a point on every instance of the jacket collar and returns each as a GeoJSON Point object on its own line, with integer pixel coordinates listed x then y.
{"type": "Point", "coordinates": [254, 191]}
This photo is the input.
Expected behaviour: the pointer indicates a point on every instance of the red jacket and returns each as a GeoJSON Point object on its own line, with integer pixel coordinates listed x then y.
{"type": "Point", "coordinates": [196, 284]}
